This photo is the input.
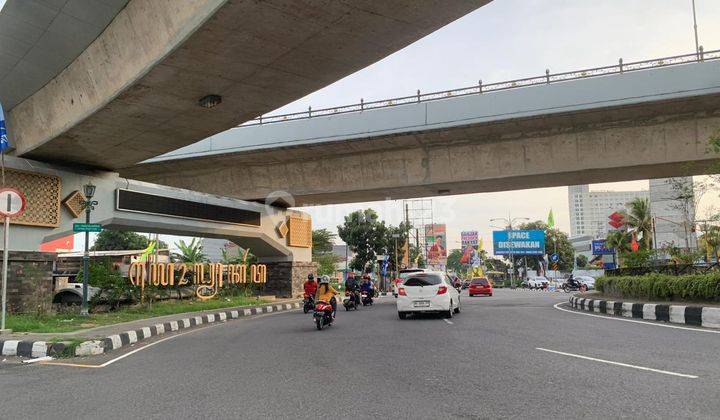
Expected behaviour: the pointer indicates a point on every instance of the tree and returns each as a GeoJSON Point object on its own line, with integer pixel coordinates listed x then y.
{"type": "Point", "coordinates": [322, 241]}
{"type": "Point", "coordinates": [192, 252]}
{"type": "Point", "coordinates": [554, 240]}
{"type": "Point", "coordinates": [453, 261]}
{"type": "Point", "coordinates": [364, 234]}
{"type": "Point", "coordinates": [496, 264]}
{"type": "Point", "coordinates": [390, 244]}
{"type": "Point", "coordinates": [640, 219]}
{"type": "Point", "coordinates": [322, 251]}
{"type": "Point", "coordinates": [416, 257]}
{"type": "Point", "coordinates": [581, 261]}
{"type": "Point", "coordinates": [119, 240]}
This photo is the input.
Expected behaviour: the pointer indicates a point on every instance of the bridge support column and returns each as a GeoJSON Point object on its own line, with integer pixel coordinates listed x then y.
{"type": "Point", "coordinates": [30, 281]}
{"type": "Point", "coordinates": [285, 279]}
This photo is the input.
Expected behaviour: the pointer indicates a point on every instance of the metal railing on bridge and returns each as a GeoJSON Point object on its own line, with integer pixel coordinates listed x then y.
{"type": "Point", "coordinates": [481, 88]}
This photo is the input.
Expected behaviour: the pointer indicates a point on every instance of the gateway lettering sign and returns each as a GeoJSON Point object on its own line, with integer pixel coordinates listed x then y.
{"type": "Point", "coordinates": [207, 278]}
{"type": "Point", "coordinates": [519, 242]}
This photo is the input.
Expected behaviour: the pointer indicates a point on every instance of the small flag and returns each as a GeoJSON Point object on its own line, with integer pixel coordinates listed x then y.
{"type": "Point", "coordinates": [149, 250]}
{"type": "Point", "coordinates": [385, 264]}
{"type": "Point", "coordinates": [4, 143]}
{"type": "Point", "coordinates": [551, 220]}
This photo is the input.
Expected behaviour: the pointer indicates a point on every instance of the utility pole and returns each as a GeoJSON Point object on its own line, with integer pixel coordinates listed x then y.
{"type": "Point", "coordinates": [697, 43]}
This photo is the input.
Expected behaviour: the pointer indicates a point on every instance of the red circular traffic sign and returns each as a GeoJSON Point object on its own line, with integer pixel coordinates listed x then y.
{"type": "Point", "coordinates": [12, 202]}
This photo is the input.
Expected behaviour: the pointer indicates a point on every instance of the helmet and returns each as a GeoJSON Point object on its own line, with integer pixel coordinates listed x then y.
{"type": "Point", "coordinates": [324, 280]}
{"type": "Point", "coordinates": [311, 276]}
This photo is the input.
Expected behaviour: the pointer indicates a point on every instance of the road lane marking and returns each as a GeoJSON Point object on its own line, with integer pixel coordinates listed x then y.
{"type": "Point", "coordinates": [665, 372]}
{"type": "Point", "coordinates": [613, 318]}
{"type": "Point", "coordinates": [448, 322]}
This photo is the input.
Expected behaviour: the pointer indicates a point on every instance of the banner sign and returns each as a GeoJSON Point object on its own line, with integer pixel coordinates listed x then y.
{"type": "Point", "coordinates": [469, 238]}
{"type": "Point", "coordinates": [599, 248]}
{"type": "Point", "coordinates": [436, 240]}
{"type": "Point", "coordinates": [519, 242]}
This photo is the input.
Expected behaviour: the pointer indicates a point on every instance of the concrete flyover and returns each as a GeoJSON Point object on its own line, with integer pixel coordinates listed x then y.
{"type": "Point", "coordinates": [129, 87]}
{"type": "Point", "coordinates": [631, 125]}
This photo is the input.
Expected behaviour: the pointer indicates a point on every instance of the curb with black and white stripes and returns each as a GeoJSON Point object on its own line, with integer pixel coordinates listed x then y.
{"type": "Point", "coordinates": [699, 316]}
{"type": "Point", "coordinates": [34, 349]}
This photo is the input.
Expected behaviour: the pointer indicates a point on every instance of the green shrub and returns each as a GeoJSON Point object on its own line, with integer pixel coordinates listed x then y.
{"type": "Point", "coordinates": [114, 288]}
{"type": "Point", "coordinates": [655, 286]}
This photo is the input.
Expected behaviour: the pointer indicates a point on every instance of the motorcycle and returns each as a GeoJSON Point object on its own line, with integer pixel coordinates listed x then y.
{"type": "Point", "coordinates": [323, 315]}
{"type": "Point", "coordinates": [575, 286]}
{"type": "Point", "coordinates": [308, 303]}
{"type": "Point", "coordinates": [366, 299]}
{"type": "Point", "coordinates": [351, 300]}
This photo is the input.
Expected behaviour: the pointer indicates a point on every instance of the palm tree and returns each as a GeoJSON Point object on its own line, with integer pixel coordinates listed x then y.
{"type": "Point", "coordinates": [192, 252]}
{"type": "Point", "coordinates": [640, 219]}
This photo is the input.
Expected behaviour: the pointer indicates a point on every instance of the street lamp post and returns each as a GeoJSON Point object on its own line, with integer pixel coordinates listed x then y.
{"type": "Point", "coordinates": [509, 221]}
{"type": "Point", "coordinates": [89, 205]}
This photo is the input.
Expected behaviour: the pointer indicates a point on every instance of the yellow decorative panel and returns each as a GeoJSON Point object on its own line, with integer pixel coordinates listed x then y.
{"type": "Point", "coordinates": [300, 234]}
{"type": "Point", "coordinates": [43, 197]}
{"type": "Point", "coordinates": [75, 203]}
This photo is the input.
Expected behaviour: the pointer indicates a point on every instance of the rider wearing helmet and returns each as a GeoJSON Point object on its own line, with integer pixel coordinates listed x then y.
{"type": "Point", "coordinates": [310, 286]}
{"type": "Point", "coordinates": [326, 293]}
{"type": "Point", "coordinates": [352, 286]}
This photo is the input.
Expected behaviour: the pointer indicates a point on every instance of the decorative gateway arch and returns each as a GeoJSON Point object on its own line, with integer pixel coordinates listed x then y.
{"type": "Point", "coordinates": [280, 238]}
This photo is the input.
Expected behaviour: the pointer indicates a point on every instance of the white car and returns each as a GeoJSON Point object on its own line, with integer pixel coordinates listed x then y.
{"type": "Point", "coordinates": [587, 281]}
{"type": "Point", "coordinates": [537, 282]}
{"type": "Point", "coordinates": [430, 291]}
{"type": "Point", "coordinates": [403, 275]}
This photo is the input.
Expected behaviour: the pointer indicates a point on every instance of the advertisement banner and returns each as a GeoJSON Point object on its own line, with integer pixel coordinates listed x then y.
{"type": "Point", "coordinates": [519, 242]}
{"type": "Point", "coordinates": [599, 248]}
{"type": "Point", "coordinates": [469, 238]}
{"type": "Point", "coordinates": [436, 240]}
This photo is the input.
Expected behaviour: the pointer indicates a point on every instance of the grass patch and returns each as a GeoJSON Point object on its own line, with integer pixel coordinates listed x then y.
{"type": "Point", "coordinates": [71, 344]}
{"type": "Point", "coordinates": [69, 322]}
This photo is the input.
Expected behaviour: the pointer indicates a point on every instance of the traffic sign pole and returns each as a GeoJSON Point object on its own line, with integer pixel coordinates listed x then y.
{"type": "Point", "coordinates": [6, 242]}
{"type": "Point", "coordinates": [12, 204]}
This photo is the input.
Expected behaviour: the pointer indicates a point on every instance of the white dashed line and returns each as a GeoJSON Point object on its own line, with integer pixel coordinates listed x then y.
{"type": "Point", "coordinates": [448, 322]}
{"type": "Point", "coordinates": [665, 372]}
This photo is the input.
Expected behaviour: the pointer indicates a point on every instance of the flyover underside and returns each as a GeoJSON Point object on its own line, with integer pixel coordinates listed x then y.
{"type": "Point", "coordinates": [133, 93]}
{"type": "Point", "coordinates": [662, 139]}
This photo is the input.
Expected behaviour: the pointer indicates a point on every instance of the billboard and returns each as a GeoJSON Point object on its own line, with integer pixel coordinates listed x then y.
{"type": "Point", "coordinates": [469, 238]}
{"type": "Point", "coordinates": [599, 248]}
{"type": "Point", "coordinates": [436, 240]}
{"type": "Point", "coordinates": [519, 242]}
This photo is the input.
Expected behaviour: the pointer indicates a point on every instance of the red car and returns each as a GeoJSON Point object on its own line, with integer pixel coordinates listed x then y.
{"type": "Point", "coordinates": [480, 286]}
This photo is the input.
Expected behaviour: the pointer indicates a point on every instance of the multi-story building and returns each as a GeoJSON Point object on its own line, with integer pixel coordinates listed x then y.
{"type": "Point", "coordinates": [589, 210]}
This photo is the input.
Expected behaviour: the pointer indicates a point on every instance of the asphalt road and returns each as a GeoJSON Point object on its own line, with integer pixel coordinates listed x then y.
{"type": "Point", "coordinates": [484, 364]}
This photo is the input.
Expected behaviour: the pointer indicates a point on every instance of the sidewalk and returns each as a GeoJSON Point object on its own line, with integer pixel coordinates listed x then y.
{"type": "Point", "coordinates": [110, 337]}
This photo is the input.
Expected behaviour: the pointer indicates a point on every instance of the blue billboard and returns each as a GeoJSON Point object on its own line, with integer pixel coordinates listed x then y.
{"type": "Point", "coordinates": [599, 248]}
{"type": "Point", "coordinates": [519, 242]}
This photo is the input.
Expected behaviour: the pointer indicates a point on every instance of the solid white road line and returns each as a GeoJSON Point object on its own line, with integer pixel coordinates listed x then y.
{"type": "Point", "coordinates": [448, 322]}
{"type": "Point", "coordinates": [665, 372]}
{"type": "Point", "coordinates": [657, 324]}
{"type": "Point", "coordinates": [109, 362]}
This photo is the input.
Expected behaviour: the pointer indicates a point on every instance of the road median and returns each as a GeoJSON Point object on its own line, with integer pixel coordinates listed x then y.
{"type": "Point", "coordinates": [693, 315]}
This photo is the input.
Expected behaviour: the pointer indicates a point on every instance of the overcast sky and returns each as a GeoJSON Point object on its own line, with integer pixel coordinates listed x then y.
{"type": "Point", "coordinates": [509, 39]}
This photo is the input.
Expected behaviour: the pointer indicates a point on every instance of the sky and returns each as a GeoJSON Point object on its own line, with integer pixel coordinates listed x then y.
{"type": "Point", "coordinates": [509, 39]}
